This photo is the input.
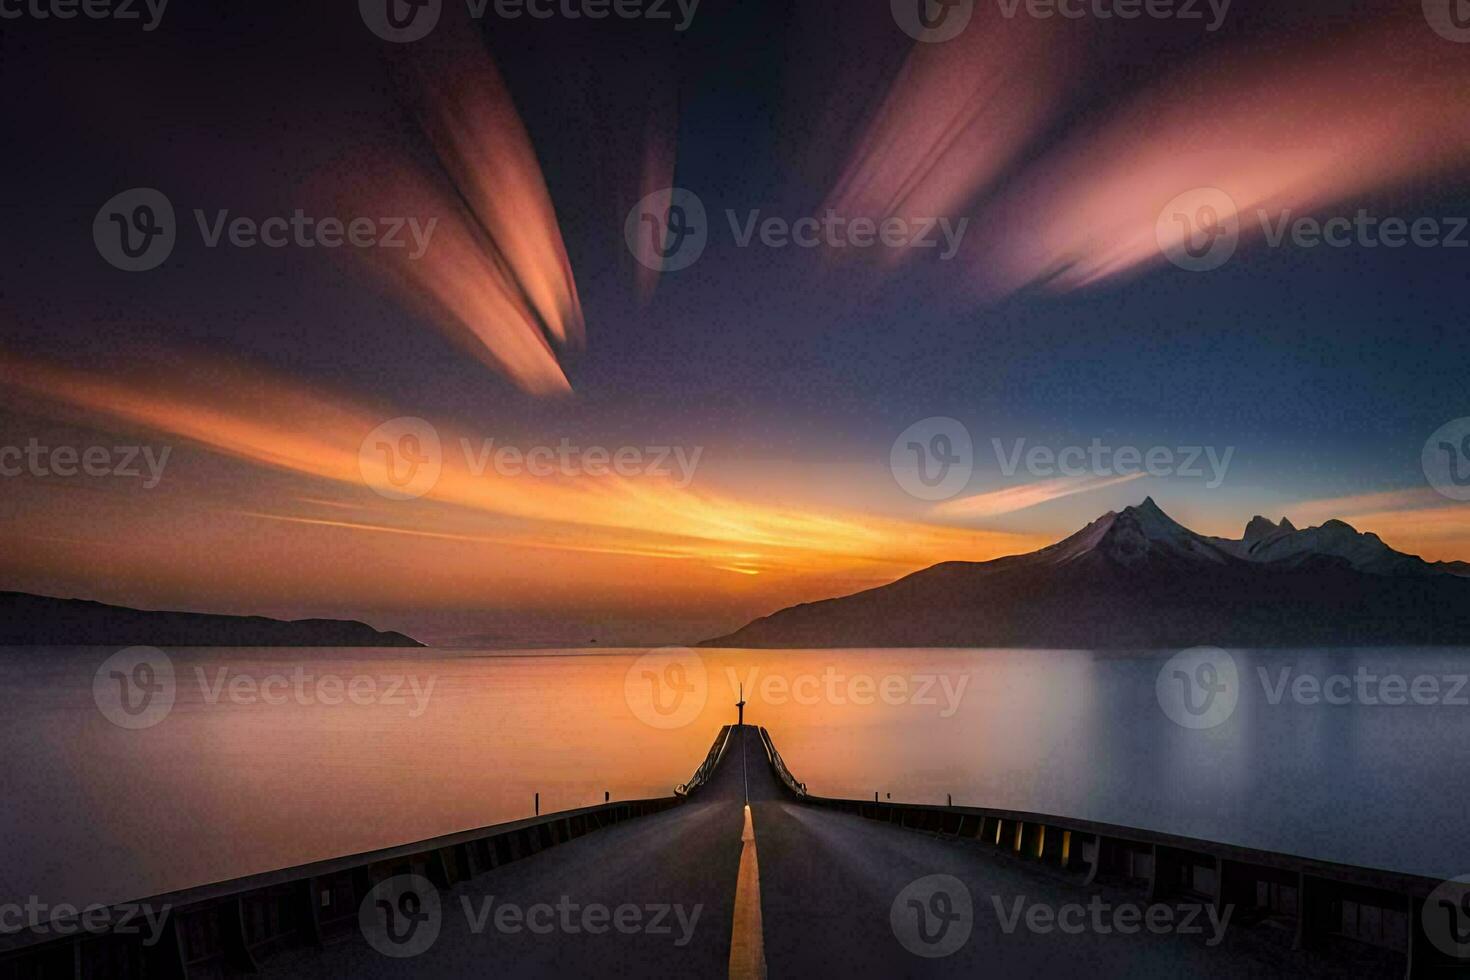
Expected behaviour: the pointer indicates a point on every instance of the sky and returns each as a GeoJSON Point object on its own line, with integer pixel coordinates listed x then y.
{"type": "Point", "coordinates": [757, 393]}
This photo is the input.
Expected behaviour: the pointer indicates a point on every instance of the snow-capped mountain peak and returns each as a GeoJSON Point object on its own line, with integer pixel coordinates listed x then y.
{"type": "Point", "coordinates": [1364, 551]}
{"type": "Point", "coordinates": [1132, 536]}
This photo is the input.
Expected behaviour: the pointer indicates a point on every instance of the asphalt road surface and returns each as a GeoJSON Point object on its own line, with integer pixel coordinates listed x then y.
{"type": "Point", "coordinates": [838, 896]}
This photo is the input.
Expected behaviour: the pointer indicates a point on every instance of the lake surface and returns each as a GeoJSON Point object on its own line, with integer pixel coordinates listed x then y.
{"type": "Point", "coordinates": [269, 758]}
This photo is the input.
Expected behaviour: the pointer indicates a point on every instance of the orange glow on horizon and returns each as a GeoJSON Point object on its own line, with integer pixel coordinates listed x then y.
{"type": "Point", "coordinates": [583, 529]}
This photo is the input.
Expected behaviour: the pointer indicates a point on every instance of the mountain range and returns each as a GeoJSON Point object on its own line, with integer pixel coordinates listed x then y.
{"type": "Point", "coordinates": [35, 620]}
{"type": "Point", "coordinates": [1139, 579]}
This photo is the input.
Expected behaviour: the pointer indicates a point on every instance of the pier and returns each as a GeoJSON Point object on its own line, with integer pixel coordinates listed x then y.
{"type": "Point", "coordinates": [741, 872]}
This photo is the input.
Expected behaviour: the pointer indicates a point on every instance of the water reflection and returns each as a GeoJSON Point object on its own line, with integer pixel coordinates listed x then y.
{"type": "Point", "coordinates": [233, 781]}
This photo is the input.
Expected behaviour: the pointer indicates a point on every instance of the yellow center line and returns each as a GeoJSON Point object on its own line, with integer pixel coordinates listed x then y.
{"type": "Point", "coordinates": [747, 941]}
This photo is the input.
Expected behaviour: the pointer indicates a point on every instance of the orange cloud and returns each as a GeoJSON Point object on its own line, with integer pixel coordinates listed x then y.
{"type": "Point", "coordinates": [1417, 520]}
{"type": "Point", "coordinates": [269, 421]}
{"type": "Point", "coordinates": [1012, 499]}
{"type": "Point", "coordinates": [495, 276]}
{"type": "Point", "coordinates": [473, 124]}
{"type": "Point", "coordinates": [953, 118]}
{"type": "Point", "coordinates": [1293, 127]}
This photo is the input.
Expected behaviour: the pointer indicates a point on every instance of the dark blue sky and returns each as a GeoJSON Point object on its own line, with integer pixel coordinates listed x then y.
{"type": "Point", "coordinates": [1327, 368]}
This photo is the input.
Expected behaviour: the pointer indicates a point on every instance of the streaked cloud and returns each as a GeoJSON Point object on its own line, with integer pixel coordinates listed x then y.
{"type": "Point", "coordinates": [273, 422]}
{"type": "Point", "coordinates": [953, 118]}
{"type": "Point", "coordinates": [1090, 210]}
{"type": "Point", "coordinates": [1011, 499]}
{"type": "Point", "coordinates": [496, 277]}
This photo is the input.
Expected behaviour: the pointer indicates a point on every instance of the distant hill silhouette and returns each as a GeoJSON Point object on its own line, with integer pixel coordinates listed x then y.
{"type": "Point", "coordinates": [1138, 579]}
{"type": "Point", "coordinates": [33, 620]}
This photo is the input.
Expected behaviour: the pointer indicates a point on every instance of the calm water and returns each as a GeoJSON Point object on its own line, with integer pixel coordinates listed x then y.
{"type": "Point", "coordinates": [256, 767]}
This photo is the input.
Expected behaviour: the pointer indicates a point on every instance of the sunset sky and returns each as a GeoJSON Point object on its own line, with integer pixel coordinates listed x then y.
{"type": "Point", "coordinates": [785, 374]}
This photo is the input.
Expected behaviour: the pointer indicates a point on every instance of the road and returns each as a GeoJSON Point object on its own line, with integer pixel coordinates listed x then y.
{"type": "Point", "coordinates": [828, 886]}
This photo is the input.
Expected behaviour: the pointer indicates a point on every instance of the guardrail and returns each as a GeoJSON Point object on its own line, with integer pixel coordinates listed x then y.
{"type": "Point", "coordinates": [233, 926]}
{"type": "Point", "coordinates": [707, 767]}
{"type": "Point", "coordinates": [1320, 902]}
{"type": "Point", "coordinates": [778, 764]}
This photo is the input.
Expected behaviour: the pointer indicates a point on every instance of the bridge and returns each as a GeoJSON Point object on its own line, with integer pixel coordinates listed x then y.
{"type": "Point", "coordinates": [743, 873]}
